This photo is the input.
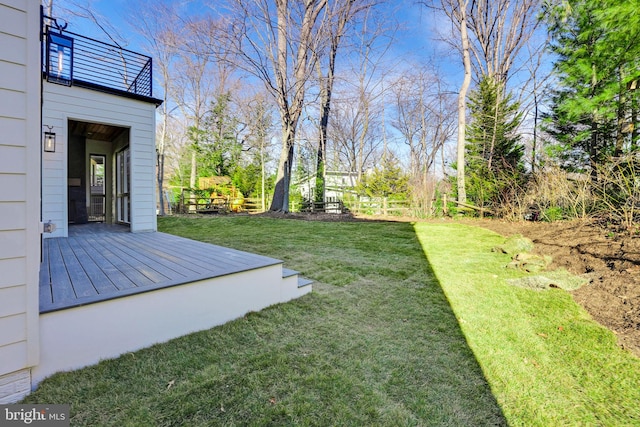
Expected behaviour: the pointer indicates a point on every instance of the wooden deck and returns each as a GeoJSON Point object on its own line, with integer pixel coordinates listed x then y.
{"type": "Point", "coordinates": [98, 263]}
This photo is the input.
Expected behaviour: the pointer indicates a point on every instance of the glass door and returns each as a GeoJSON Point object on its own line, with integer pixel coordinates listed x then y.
{"type": "Point", "coordinates": [123, 186]}
{"type": "Point", "coordinates": [97, 179]}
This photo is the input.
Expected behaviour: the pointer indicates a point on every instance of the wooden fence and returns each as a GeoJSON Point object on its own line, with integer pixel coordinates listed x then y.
{"type": "Point", "coordinates": [380, 206]}
{"type": "Point", "coordinates": [331, 205]}
{"type": "Point", "coordinates": [217, 204]}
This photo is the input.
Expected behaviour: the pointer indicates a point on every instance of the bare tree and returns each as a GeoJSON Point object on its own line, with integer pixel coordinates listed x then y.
{"type": "Point", "coordinates": [158, 25]}
{"type": "Point", "coordinates": [535, 91]}
{"type": "Point", "coordinates": [198, 80]}
{"type": "Point", "coordinates": [273, 41]}
{"type": "Point", "coordinates": [459, 18]}
{"type": "Point", "coordinates": [258, 113]}
{"type": "Point", "coordinates": [357, 130]}
{"type": "Point", "coordinates": [493, 32]}
{"type": "Point", "coordinates": [424, 117]}
{"type": "Point", "coordinates": [340, 13]}
{"type": "Point", "coordinates": [354, 135]}
{"type": "Point", "coordinates": [500, 30]}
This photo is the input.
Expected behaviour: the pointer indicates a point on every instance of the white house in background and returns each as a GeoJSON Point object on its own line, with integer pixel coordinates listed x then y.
{"type": "Point", "coordinates": [336, 184]}
{"type": "Point", "coordinates": [77, 145]}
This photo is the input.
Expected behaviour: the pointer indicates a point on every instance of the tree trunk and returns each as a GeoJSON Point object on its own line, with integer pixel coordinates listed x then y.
{"type": "Point", "coordinates": [322, 142]}
{"type": "Point", "coordinates": [263, 201]}
{"type": "Point", "coordinates": [290, 96]}
{"type": "Point", "coordinates": [462, 104]}
{"type": "Point", "coordinates": [192, 181]}
{"type": "Point", "coordinates": [161, 211]}
{"type": "Point", "coordinates": [322, 150]}
{"type": "Point", "coordinates": [280, 202]}
{"type": "Point", "coordinates": [534, 148]}
{"type": "Point", "coordinates": [344, 13]}
{"type": "Point", "coordinates": [160, 153]}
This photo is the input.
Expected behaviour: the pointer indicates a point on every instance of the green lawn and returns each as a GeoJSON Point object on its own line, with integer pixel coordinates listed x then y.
{"type": "Point", "coordinates": [407, 325]}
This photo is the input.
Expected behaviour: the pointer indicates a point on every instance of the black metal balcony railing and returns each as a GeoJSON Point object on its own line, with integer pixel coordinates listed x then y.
{"type": "Point", "coordinates": [99, 65]}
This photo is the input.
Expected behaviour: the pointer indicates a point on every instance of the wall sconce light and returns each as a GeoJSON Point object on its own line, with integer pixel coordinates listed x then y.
{"type": "Point", "coordinates": [59, 59]}
{"type": "Point", "coordinates": [49, 141]}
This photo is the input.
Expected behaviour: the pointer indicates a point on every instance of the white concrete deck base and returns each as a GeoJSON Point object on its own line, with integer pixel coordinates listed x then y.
{"type": "Point", "coordinates": [81, 336]}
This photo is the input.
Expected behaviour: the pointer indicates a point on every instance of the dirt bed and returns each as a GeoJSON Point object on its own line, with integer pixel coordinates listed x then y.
{"type": "Point", "coordinates": [610, 260]}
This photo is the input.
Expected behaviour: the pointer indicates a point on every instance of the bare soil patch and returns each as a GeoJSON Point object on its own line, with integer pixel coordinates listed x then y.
{"type": "Point", "coordinates": [611, 262]}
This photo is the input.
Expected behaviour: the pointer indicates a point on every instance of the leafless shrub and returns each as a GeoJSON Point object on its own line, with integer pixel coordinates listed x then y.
{"type": "Point", "coordinates": [557, 193]}
{"type": "Point", "coordinates": [548, 195]}
{"type": "Point", "coordinates": [618, 190]}
{"type": "Point", "coordinates": [513, 204]}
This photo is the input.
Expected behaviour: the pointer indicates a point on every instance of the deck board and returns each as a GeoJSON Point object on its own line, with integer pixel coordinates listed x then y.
{"type": "Point", "coordinates": [82, 285]}
{"type": "Point", "coordinates": [117, 279]}
{"type": "Point", "coordinates": [45, 278]}
{"type": "Point", "coordinates": [98, 264]}
{"type": "Point", "coordinates": [58, 273]}
{"type": "Point", "coordinates": [96, 275]}
{"type": "Point", "coordinates": [152, 257]}
{"type": "Point", "coordinates": [134, 275]}
{"type": "Point", "coordinates": [201, 254]}
{"type": "Point", "coordinates": [134, 262]}
{"type": "Point", "coordinates": [171, 255]}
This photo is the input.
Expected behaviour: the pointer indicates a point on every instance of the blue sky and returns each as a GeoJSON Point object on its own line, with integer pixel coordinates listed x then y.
{"type": "Point", "coordinates": [414, 40]}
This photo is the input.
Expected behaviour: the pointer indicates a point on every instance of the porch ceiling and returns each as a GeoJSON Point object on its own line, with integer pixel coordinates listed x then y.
{"type": "Point", "coordinates": [95, 131]}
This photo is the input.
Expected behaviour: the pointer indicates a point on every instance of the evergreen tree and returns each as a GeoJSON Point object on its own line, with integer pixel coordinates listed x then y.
{"type": "Point", "coordinates": [220, 152]}
{"type": "Point", "coordinates": [494, 151]}
{"type": "Point", "coordinates": [388, 180]}
{"type": "Point", "coordinates": [598, 46]}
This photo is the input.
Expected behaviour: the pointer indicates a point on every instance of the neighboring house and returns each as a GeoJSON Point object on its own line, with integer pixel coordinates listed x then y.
{"type": "Point", "coordinates": [336, 184]}
{"type": "Point", "coordinates": [78, 147]}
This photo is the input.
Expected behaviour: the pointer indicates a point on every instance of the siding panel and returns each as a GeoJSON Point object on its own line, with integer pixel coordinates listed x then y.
{"type": "Point", "coordinates": [13, 188]}
{"type": "Point", "coordinates": [13, 329]}
{"type": "Point", "coordinates": [14, 131]}
{"type": "Point", "coordinates": [16, 4]}
{"type": "Point", "coordinates": [13, 105]}
{"type": "Point", "coordinates": [14, 272]}
{"type": "Point", "coordinates": [12, 244]}
{"type": "Point", "coordinates": [13, 216]}
{"type": "Point", "coordinates": [12, 356]}
{"type": "Point", "coordinates": [20, 138]}
{"type": "Point", "coordinates": [13, 76]}
{"type": "Point", "coordinates": [12, 301]}
{"type": "Point", "coordinates": [14, 21]}
{"type": "Point", "coordinates": [12, 48]}
{"type": "Point", "coordinates": [13, 160]}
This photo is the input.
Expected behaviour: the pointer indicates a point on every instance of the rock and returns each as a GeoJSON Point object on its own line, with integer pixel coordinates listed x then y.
{"type": "Point", "coordinates": [514, 245]}
{"type": "Point", "coordinates": [529, 262]}
{"type": "Point", "coordinates": [551, 279]}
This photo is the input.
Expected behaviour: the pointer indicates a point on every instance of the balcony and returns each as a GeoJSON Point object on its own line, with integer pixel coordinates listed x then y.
{"type": "Point", "coordinates": [74, 60]}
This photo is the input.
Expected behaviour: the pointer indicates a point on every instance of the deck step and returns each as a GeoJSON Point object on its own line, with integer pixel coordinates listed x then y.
{"type": "Point", "coordinates": [287, 272]}
{"type": "Point", "coordinates": [302, 281]}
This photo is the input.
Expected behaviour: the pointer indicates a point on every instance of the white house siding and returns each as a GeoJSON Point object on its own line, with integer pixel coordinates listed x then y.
{"type": "Point", "coordinates": [61, 104]}
{"type": "Point", "coordinates": [20, 149]}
